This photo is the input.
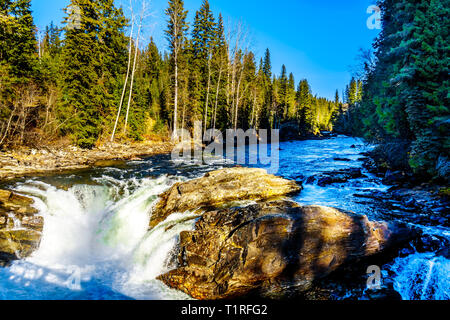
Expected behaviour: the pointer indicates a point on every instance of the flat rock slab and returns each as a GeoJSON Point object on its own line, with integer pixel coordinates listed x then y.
{"type": "Point", "coordinates": [274, 247]}
{"type": "Point", "coordinates": [220, 187]}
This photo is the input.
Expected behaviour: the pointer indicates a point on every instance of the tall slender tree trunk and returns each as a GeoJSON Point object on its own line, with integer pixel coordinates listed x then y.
{"type": "Point", "coordinates": [126, 82]}
{"type": "Point", "coordinates": [47, 110]}
{"type": "Point", "coordinates": [134, 69]}
{"type": "Point", "coordinates": [183, 120]}
{"type": "Point", "coordinates": [253, 109]}
{"type": "Point", "coordinates": [238, 98]}
{"type": "Point", "coordinates": [207, 92]}
{"type": "Point", "coordinates": [5, 134]}
{"type": "Point", "coordinates": [217, 96]}
{"type": "Point", "coordinates": [175, 110]}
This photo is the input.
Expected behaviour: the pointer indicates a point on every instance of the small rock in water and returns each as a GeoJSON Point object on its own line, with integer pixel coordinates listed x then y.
{"type": "Point", "coordinates": [410, 203]}
{"type": "Point", "coordinates": [342, 159]}
{"type": "Point", "coordinates": [428, 243]}
{"type": "Point", "coordinates": [392, 178]}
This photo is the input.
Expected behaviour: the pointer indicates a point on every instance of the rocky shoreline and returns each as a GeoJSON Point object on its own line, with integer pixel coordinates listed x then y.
{"type": "Point", "coordinates": [47, 160]}
{"type": "Point", "coordinates": [408, 198]}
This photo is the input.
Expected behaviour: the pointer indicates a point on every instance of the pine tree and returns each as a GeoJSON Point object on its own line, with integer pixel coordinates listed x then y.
{"type": "Point", "coordinates": [353, 92]}
{"type": "Point", "coordinates": [283, 85]}
{"type": "Point", "coordinates": [202, 45]}
{"type": "Point", "coordinates": [93, 57]}
{"type": "Point", "coordinates": [305, 108]}
{"type": "Point", "coordinates": [405, 95]}
{"type": "Point", "coordinates": [336, 98]}
{"type": "Point", "coordinates": [359, 91]}
{"type": "Point", "coordinates": [267, 65]}
{"type": "Point", "coordinates": [18, 69]}
{"type": "Point", "coordinates": [291, 99]}
{"type": "Point", "coordinates": [20, 50]}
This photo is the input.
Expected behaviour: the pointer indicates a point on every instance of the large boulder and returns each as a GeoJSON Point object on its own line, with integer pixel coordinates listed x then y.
{"type": "Point", "coordinates": [272, 248]}
{"type": "Point", "coordinates": [20, 227]}
{"type": "Point", "coordinates": [221, 187]}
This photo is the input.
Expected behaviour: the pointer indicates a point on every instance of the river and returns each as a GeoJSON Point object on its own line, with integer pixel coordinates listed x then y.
{"type": "Point", "coordinates": [96, 243]}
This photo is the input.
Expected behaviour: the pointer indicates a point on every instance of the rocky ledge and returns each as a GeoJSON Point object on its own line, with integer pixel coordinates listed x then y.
{"type": "Point", "coordinates": [272, 248]}
{"type": "Point", "coordinates": [58, 159]}
{"type": "Point", "coordinates": [20, 227]}
{"type": "Point", "coordinates": [221, 187]}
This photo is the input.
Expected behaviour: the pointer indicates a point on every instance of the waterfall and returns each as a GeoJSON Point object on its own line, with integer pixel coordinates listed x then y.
{"type": "Point", "coordinates": [96, 242]}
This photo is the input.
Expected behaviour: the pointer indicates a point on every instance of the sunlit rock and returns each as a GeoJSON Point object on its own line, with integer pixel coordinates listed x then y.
{"type": "Point", "coordinates": [220, 187]}
{"type": "Point", "coordinates": [273, 248]}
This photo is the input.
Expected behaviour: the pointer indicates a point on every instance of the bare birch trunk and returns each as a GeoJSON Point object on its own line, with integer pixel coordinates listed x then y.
{"type": "Point", "coordinates": [8, 125]}
{"type": "Point", "coordinates": [253, 109]}
{"type": "Point", "coordinates": [238, 97]}
{"type": "Point", "coordinates": [134, 68]}
{"type": "Point", "coordinates": [217, 96]}
{"type": "Point", "coordinates": [126, 80]}
{"type": "Point", "coordinates": [207, 92]}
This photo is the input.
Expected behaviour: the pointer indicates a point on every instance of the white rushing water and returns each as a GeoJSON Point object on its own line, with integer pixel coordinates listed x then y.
{"type": "Point", "coordinates": [96, 243]}
{"type": "Point", "coordinates": [422, 276]}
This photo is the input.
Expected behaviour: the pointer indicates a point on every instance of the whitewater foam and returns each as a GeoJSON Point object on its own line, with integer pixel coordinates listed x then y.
{"type": "Point", "coordinates": [96, 242]}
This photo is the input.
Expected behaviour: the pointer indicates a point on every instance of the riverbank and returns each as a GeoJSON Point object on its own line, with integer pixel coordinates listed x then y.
{"type": "Point", "coordinates": [27, 161]}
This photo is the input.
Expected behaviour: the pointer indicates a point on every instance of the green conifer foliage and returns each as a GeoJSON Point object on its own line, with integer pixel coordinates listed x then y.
{"type": "Point", "coordinates": [93, 57]}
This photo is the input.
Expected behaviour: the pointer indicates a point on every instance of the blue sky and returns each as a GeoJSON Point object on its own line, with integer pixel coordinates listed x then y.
{"type": "Point", "coordinates": [316, 40]}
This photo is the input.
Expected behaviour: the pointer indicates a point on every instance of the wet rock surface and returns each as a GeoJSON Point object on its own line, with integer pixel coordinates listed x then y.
{"type": "Point", "coordinates": [275, 249]}
{"type": "Point", "coordinates": [221, 187]}
{"type": "Point", "coordinates": [20, 227]}
{"type": "Point", "coordinates": [421, 204]}
{"type": "Point", "coordinates": [338, 176]}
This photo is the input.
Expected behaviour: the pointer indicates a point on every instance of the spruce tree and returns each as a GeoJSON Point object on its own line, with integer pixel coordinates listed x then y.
{"type": "Point", "coordinates": [18, 69]}
{"type": "Point", "coordinates": [267, 65]}
{"type": "Point", "coordinates": [305, 108]}
{"type": "Point", "coordinates": [93, 57]}
{"type": "Point", "coordinates": [202, 45]}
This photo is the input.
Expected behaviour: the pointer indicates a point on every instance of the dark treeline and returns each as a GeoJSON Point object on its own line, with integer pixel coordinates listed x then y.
{"type": "Point", "coordinates": [91, 82]}
{"type": "Point", "coordinates": [404, 104]}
